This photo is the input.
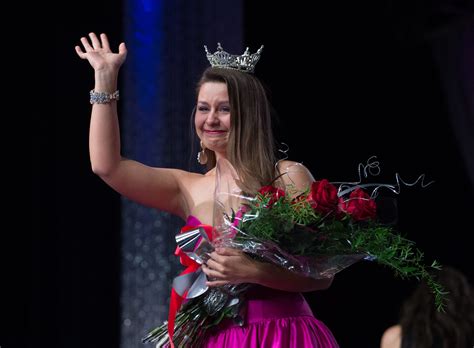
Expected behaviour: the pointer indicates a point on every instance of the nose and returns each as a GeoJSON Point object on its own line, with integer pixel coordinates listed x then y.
{"type": "Point", "coordinates": [212, 117]}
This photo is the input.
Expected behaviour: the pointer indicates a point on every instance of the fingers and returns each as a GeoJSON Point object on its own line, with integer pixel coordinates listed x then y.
{"type": "Point", "coordinates": [215, 266]}
{"type": "Point", "coordinates": [218, 278]}
{"type": "Point", "coordinates": [221, 266]}
{"type": "Point", "coordinates": [86, 44]}
{"type": "Point", "coordinates": [95, 41]}
{"type": "Point", "coordinates": [217, 283]}
{"type": "Point", "coordinates": [216, 257]}
{"type": "Point", "coordinates": [222, 258]}
{"type": "Point", "coordinates": [98, 45]}
{"type": "Point", "coordinates": [212, 273]}
{"type": "Point", "coordinates": [122, 48]}
{"type": "Point", "coordinates": [105, 42]}
{"type": "Point", "coordinates": [80, 53]}
{"type": "Point", "coordinates": [228, 252]}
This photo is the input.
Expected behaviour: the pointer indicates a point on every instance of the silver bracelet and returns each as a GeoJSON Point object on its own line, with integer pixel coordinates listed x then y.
{"type": "Point", "coordinates": [103, 98]}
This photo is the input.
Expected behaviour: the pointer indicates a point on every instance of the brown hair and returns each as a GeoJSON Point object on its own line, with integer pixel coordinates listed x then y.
{"type": "Point", "coordinates": [251, 146]}
{"type": "Point", "coordinates": [424, 326]}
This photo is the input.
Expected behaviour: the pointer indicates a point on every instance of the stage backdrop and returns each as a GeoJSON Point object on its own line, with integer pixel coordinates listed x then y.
{"type": "Point", "coordinates": [166, 57]}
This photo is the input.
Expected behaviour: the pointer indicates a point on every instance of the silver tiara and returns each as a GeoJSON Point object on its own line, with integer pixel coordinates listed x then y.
{"type": "Point", "coordinates": [222, 59]}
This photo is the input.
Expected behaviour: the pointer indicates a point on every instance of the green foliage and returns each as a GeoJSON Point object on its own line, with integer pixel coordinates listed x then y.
{"type": "Point", "coordinates": [298, 230]}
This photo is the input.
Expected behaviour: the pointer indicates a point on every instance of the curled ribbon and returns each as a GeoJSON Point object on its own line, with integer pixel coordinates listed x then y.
{"type": "Point", "coordinates": [194, 245]}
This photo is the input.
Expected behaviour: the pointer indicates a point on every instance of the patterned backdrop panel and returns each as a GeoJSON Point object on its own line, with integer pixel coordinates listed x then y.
{"type": "Point", "coordinates": [165, 59]}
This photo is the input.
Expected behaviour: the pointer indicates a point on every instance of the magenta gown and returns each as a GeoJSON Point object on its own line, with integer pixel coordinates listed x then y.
{"type": "Point", "coordinates": [274, 319]}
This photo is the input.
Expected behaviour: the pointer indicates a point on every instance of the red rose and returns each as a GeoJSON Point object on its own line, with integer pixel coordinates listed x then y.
{"type": "Point", "coordinates": [272, 192]}
{"type": "Point", "coordinates": [323, 197]}
{"type": "Point", "coordinates": [359, 205]}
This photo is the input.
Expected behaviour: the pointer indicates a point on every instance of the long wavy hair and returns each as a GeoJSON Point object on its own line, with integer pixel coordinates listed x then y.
{"type": "Point", "coordinates": [424, 326]}
{"type": "Point", "coordinates": [251, 145]}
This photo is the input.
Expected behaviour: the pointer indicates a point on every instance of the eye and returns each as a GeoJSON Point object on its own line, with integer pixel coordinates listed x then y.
{"type": "Point", "coordinates": [203, 108]}
{"type": "Point", "coordinates": [225, 109]}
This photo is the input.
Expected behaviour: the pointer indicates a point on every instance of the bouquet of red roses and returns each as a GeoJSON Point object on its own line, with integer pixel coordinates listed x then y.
{"type": "Point", "coordinates": [316, 231]}
{"type": "Point", "coordinates": [320, 230]}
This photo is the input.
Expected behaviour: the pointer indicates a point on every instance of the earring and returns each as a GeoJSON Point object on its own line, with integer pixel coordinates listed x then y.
{"type": "Point", "coordinates": [202, 155]}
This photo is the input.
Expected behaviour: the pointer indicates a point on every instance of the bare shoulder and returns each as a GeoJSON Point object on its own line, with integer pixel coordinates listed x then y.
{"type": "Point", "coordinates": [295, 174]}
{"type": "Point", "coordinates": [392, 337]}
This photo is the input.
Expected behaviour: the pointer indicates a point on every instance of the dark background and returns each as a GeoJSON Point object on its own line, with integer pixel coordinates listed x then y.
{"type": "Point", "coordinates": [348, 81]}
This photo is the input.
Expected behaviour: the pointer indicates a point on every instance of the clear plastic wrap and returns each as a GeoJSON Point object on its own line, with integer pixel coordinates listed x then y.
{"type": "Point", "coordinates": [236, 214]}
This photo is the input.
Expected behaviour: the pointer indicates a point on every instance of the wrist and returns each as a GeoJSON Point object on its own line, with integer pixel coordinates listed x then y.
{"type": "Point", "coordinates": [102, 97]}
{"type": "Point", "coordinates": [261, 272]}
{"type": "Point", "coordinates": [105, 81]}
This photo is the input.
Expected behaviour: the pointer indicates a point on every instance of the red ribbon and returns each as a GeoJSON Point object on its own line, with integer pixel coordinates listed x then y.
{"type": "Point", "coordinates": [192, 266]}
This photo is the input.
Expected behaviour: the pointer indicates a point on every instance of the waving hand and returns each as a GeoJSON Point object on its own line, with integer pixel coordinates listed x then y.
{"type": "Point", "coordinates": [98, 53]}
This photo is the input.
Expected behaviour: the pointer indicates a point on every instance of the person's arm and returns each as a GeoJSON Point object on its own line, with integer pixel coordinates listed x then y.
{"type": "Point", "coordinates": [295, 177]}
{"type": "Point", "coordinates": [231, 266]}
{"type": "Point", "coordinates": [276, 277]}
{"type": "Point", "coordinates": [155, 187]}
{"type": "Point", "coordinates": [392, 337]}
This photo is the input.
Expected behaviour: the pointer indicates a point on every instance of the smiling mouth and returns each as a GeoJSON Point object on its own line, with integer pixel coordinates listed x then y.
{"type": "Point", "coordinates": [215, 132]}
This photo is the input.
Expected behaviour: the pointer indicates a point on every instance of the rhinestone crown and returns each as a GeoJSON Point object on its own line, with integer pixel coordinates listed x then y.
{"type": "Point", "coordinates": [222, 59]}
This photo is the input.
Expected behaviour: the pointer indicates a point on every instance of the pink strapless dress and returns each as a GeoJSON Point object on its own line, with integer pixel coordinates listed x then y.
{"type": "Point", "coordinates": [274, 319]}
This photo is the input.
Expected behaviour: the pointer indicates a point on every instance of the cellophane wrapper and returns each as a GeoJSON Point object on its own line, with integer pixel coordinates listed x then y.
{"type": "Point", "coordinates": [233, 214]}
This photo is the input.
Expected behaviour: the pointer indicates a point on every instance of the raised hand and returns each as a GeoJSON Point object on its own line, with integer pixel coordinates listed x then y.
{"type": "Point", "coordinates": [99, 54]}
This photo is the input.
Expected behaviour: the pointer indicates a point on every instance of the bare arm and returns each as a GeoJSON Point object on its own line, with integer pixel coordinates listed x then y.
{"type": "Point", "coordinates": [233, 266]}
{"type": "Point", "coordinates": [279, 278]}
{"type": "Point", "coordinates": [392, 337]}
{"type": "Point", "coordinates": [155, 187]}
{"type": "Point", "coordinates": [295, 177]}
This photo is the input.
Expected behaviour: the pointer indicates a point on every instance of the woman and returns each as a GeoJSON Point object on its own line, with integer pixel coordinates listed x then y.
{"type": "Point", "coordinates": [422, 326]}
{"type": "Point", "coordinates": [232, 121]}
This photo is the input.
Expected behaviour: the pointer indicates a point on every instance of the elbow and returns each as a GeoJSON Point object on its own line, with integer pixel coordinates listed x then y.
{"type": "Point", "coordinates": [104, 165]}
{"type": "Point", "coordinates": [320, 284]}
{"type": "Point", "coordinates": [327, 283]}
{"type": "Point", "coordinates": [102, 171]}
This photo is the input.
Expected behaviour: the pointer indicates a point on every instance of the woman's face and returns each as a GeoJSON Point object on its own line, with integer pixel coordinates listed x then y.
{"type": "Point", "coordinates": [212, 119]}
